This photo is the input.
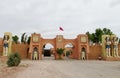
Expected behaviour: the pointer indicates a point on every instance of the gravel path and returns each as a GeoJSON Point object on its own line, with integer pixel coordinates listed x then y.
{"type": "Point", "coordinates": [69, 69]}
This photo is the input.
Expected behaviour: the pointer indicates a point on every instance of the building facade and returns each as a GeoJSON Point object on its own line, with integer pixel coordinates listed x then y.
{"type": "Point", "coordinates": [80, 50]}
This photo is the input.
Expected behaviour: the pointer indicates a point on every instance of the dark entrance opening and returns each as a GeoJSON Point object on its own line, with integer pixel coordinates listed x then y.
{"type": "Point", "coordinates": [47, 53]}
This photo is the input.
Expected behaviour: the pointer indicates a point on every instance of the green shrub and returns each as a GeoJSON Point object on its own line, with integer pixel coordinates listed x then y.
{"type": "Point", "coordinates": [60, 51]}
{"type": "Point", "coordinates": [14, 59]}
{"type": "Point", "coordinates": [67, 53]}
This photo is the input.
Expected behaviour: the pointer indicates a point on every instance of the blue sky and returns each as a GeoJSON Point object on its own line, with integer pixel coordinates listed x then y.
{"type": "Point", "coordinates": [46, 16]}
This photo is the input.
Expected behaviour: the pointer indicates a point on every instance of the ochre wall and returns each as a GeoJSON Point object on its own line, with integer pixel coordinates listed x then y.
{"type": "Point", "coordinates": [1, 46]}
{"type": "Point", "coordinates": [1, 49]}
{"type": "Point", "coordinates": [22, 49]}
{"type": "Point", "coordinates": [95, 50]}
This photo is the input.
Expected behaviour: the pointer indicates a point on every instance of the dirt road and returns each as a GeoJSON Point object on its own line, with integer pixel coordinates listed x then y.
{"type": "Point", "coordinates": [69, 69]}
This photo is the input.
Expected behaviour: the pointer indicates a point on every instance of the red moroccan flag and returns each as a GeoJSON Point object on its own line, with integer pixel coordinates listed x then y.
{"type": "Point", "coordinates": [61, 29]}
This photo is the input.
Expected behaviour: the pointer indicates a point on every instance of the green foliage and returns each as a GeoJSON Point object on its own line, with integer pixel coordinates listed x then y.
{"type": "Point", "coordinates": [88, 34]}
{"type": "Point", "coordinates": [29, 38]}
{"type": "Point", "coordinates": [97, 36]}
{"type": "Point", "coordinates": [107, 31]}
{"type": "Point", "coordinates": [68, 53]}
{"type": "Point", "coordinates": [119, 40]}
{"type": "Point", "coordinates": [14, 59]}
{"type": "Point", "coordinates": [60, 51]}
{"type": "Point", "coordinates": [15, 39]}
{"type": "Point", "coordinates": [23, 38]}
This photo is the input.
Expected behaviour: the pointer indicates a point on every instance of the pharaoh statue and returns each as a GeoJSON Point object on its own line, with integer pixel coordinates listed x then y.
{"type": "Point", "coordinates": [108, 46]}
{"type": "Point", "coordinates": [35, 54]}
{"type": "Point", "coordinates": [5, 45]}
{"type": "Point", "coordinates": [83, 54]}
{"type": "Point", "coordinates": [115, 46]}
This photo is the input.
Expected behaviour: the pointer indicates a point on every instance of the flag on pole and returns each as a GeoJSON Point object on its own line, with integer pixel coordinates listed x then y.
{"type": "Point", "coordinates": [61, 29]}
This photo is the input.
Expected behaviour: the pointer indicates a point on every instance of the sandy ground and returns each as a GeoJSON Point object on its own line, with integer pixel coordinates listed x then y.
{"type": "Point", "coordinates": [64, 69]}
{"type": "Point", "coordinates": [11, 72]}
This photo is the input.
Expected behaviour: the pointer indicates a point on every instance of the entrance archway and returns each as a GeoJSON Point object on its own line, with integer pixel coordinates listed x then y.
{"type": "Point", "coordinates": [47, 51]}
{"type": "Point", "coordinates": [83, 54]}
{"type": "Point", "coordinates": [68, 50]}
{"type": "Point", "coordinates": [40, 43]}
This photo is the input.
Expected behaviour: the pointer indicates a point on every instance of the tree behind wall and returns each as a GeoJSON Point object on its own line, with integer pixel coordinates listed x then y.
{"type": "Point", "coordinates": [28, 40]}
{"type": "Point", "coordinates": [97, 36]}
{"type": "Point", "coordinates": [23, 38]}
{"type": "Point", "coordinates": [15, 39]}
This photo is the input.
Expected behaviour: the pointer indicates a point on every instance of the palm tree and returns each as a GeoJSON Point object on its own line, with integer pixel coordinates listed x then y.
{"type": "Point", "coordinates": [29, 39]}
{"type": "Point", "coordinates": [98, 34]}
{"type": "Point", "coordinates": [15, 39]}
{"type": "Point", "coordinates": [104, 30]}
{"type": "Point", "coordinates": [88, 34]}
{"type": "Point", "coordinates": [107, 31]}
{"type": "Point", "coordinates": [60, 51]}
{"type": "Point", "coordinates": [23, 38]}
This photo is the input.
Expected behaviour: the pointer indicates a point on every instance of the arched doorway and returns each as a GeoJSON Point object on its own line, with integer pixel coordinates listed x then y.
{"type": "Point", "coordinates": [69, 48]}
{"type": "Point", "coordinates": [35, 55]}
{"type": "Point", "coordinates": [83, 54]}
{"type": "Point", "coordinates": [48, 51]}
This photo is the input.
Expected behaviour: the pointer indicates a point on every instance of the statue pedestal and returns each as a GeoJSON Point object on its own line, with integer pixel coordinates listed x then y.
{"type": "Point", "coordinates": [112, 58]}
{"type": "Point", "coordinates": [117, 58]}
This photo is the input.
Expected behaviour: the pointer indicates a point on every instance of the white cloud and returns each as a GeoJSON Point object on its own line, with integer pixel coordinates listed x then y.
{"type": "Point", "coordinates": [45, 16]}
{"type": "Point", "coordinates": [115, 3]}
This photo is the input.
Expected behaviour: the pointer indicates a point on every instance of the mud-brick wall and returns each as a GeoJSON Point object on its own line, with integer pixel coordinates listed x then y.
{"type": "Point", "coordinates": [1, 46]}
{"type": "Point", "coordinates": [22, 49]}
{"type": "Point", "coordinates": [95, 51]}
{"type": "Point", "coordinates": [1, 50]}
{"type": "Point", "coordinates": [119, 49]}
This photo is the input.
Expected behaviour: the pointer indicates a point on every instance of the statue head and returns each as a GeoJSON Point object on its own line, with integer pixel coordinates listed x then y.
{"type": "Point", "coordinates": [115, 38]}
{"type": "Point", "coordinates": [6, 37]}
{"type": "Point", "coordinates": [107, 39]}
